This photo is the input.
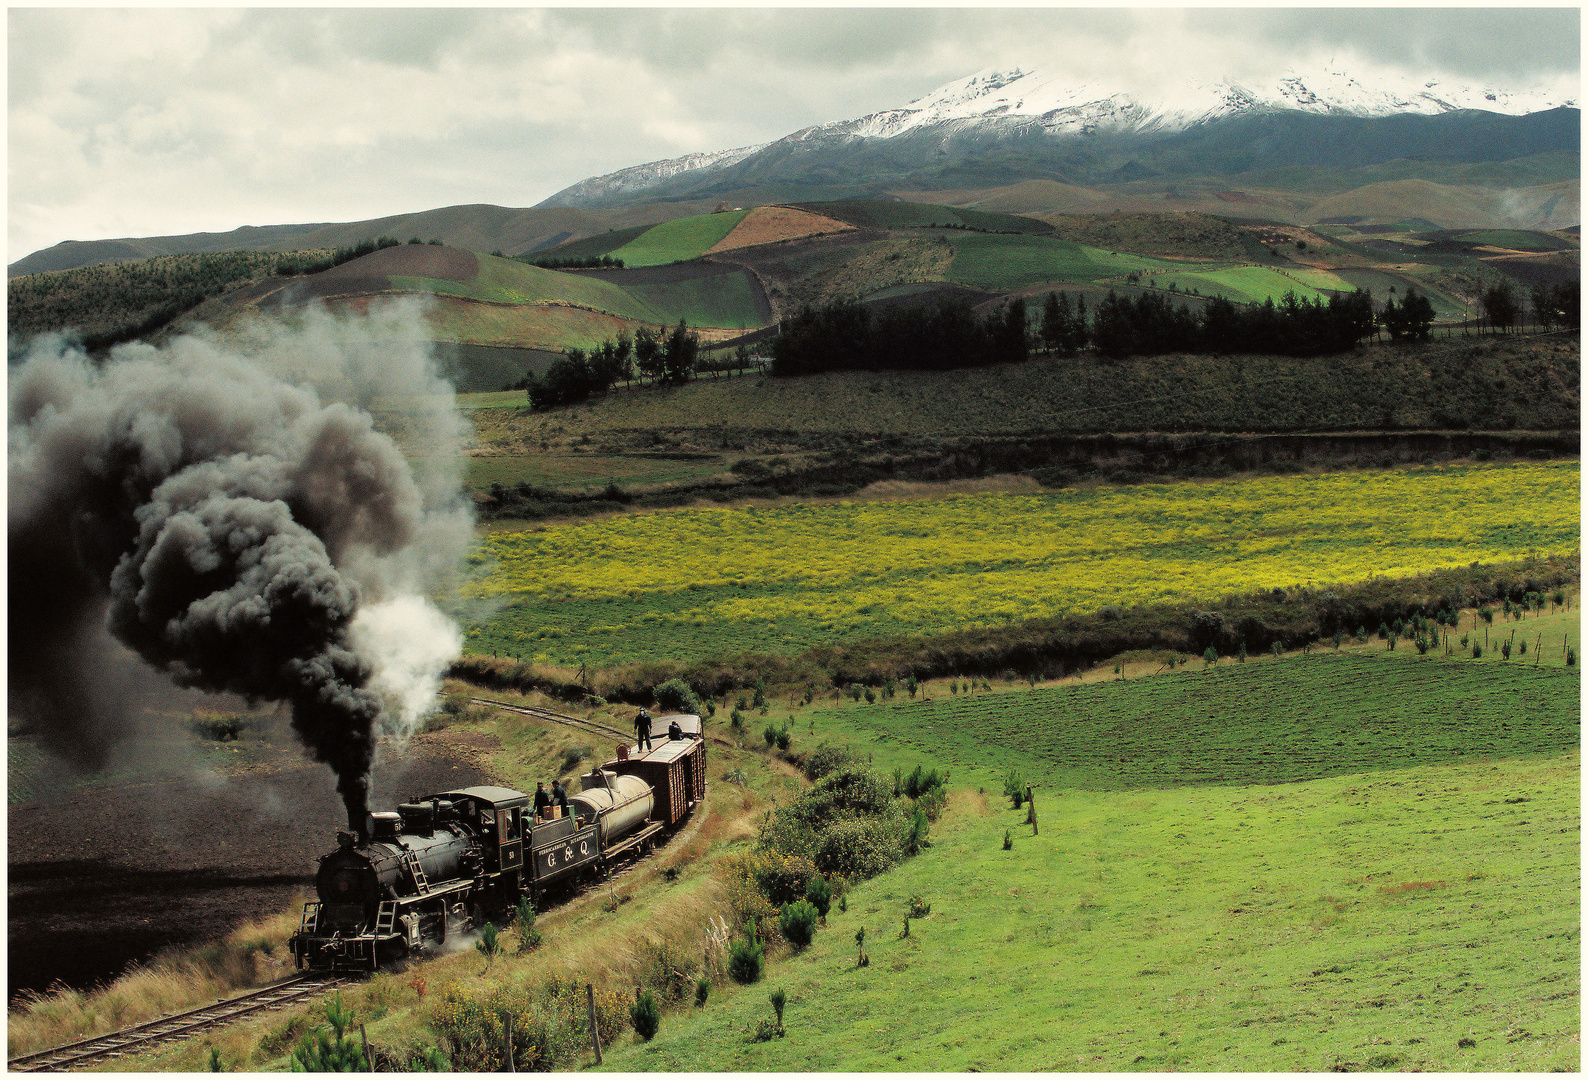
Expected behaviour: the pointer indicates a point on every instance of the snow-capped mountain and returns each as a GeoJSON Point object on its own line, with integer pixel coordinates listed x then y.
{"type": "Point", "coordinates": [1064, 106]}
{"type": "Point", "coordinates": [639, 177]}
{"type": "Point", "coordinates": [1095, 128]}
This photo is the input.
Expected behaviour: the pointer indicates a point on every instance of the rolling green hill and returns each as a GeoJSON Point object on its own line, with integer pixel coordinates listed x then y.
{"type": "Point", "coordinates": [1343, 883]}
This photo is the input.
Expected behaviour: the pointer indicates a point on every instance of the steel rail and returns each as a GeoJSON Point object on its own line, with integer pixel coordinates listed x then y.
{"type": "Point", "coordinates": [555, 718]}
{"type": "Point", "coordinates": [177, 1026]}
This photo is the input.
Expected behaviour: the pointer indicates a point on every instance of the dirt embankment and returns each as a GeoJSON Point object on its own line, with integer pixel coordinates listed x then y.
{"type": "Point", "coordinates": [107, 875]}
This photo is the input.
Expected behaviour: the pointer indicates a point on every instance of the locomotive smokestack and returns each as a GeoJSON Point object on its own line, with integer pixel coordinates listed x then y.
{"type": "Point", "coordinates": [232, 516]}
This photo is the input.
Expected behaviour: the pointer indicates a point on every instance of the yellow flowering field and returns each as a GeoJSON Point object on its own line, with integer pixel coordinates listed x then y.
{"type": "Point", "coordinates": [689, 583]}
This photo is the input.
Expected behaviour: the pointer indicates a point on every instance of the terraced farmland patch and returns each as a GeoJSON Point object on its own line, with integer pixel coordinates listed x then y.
{"type": "Point", "coordinates": [687, 584]}
{"type": "Point", "coordinates": [684, 238]}
{"type": "Point", "coordinates": [1003, 262]}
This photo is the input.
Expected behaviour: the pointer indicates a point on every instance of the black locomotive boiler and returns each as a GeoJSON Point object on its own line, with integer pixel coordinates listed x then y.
{"type": "Point", "coordinates": [447, 862]}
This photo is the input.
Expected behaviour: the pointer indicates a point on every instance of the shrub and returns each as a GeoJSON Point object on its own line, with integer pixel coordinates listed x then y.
{"type": "Point", "coordinates": [919, 909]}
{"type": "Point", "coordinates": [771, 735]}
{"type": "Point", "coordinates": [529, 935]}
{"type": "Point", "coordinates": [702, 991]}
{"type": "Point", "coordinates": [920, 781]}
{"type": "Point", "coordinates": [676, 695]}
{"type": "Point", "coordinates": [871, 696]}
{"type": "Point", "coordinates": [782, 879]}
{"type": "Point", "coordinates": [1210, 657]}
{"type": "Point", "coordinates": [488, 946]}
{"type": "Point", "coordinates": [573, 756]}
{"type": "Point", "coordinates": [911, 685]}
{"type": "Point", "coordinates": [1014, 789]}
{"type": "Point", "coordinates": [932, 801]}
{"type": "Point", "coordinates": [860, 849]}
{"type": "Point", "coordinates": [826, 760]}
{"type": "Point", "coordinates": [783, 737]}
{"type": "Point", "coordinates": [760, 694]}
{"type": "Point", "coordinates": [798, 923]}
{"type": "Point", "coordinates": [1008, 840]}
{"type": "Point", "coordinates": [746, 957]}
{"type": "Point", "coordinates": [1571, 657]}
{"type": "Point", "coordinates": [736, 722]}
{"type": "Point", "coordinates": [819, 893]}
{"type": "Point", "coordinates": [915, 833]}
{"type": "Point", "coordinates": [217, 727]}
{"type": "Point", "coordinates": [778, 999]}
{"type": "Point", "coordinates": [1477, 650]}
{"type": "Point", "coordinates": [645, 1015]}
{"type": "Point", "coordinates": [320, 1052]}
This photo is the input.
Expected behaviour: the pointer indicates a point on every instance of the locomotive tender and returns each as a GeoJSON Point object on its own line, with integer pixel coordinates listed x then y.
{"type": "Point", "coordinates": [444, 863]}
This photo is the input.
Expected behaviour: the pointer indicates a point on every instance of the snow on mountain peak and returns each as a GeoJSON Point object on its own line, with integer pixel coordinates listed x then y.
{"type": "Point", "coordinates": [1065, 105]}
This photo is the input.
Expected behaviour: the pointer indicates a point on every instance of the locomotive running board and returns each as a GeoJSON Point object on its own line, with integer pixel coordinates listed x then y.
{"type": "Point", "coordinates": [638, 838]}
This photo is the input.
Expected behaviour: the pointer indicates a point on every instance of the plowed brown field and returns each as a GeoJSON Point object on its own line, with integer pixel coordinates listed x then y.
{"type": "Point", "coordinates": [768, 224]}
{"type": "Point", "coordinates": [107, 875]}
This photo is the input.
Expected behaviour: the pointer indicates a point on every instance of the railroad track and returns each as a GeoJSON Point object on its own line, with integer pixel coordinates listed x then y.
{"type": "Point", "coordinates": [180, 1026]}
{"type": "Point", "coordinates": [558, 718]}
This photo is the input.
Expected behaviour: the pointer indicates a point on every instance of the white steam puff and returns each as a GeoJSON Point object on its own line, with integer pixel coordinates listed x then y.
{"type": "Point", "coordinates": [408, 643]}
{"type": "Point", "coordinates": [227, 507]}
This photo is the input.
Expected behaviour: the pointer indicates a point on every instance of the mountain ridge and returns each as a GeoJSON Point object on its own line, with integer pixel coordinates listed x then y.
{"type": "Point", "coordinates": [1045, 117]}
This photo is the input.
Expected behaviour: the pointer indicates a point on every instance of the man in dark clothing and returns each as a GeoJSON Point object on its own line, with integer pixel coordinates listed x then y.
{"type": "Point", "coordinates": [559, 795]}
{"type": "Point", "coordinates": [642, 731]}
{"type": "Point", "coordinates": [542, 800]}
{"type": "Point", "coordinates": [675, 731]}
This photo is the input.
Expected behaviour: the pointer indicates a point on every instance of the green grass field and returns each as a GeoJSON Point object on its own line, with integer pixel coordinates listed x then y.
{"type": "Point", "coordinates": [1515, 240]}
{"type": "Point", "coordinates": [688, 584]}
{"type": "Point", "coordinates": [684, 238]}
{"type": "Point", "coordinates": [877, 214]}
{"type": "Point", "coordinates": [1250, 284]}
{"type": "Point", "coordinates": [1002, 262]}
{"type": "Point", "coordinates": [1370, 863]}
{"type": "Point", "coordinates": [727, 300]}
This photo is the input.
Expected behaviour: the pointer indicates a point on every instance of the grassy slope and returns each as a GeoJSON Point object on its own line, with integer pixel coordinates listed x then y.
{"type": "Point", "coordinates": [1367, 918]}
{"type": "Point", "coordinates": [685, 238]}
{"type": "Point", "coordinates": [727, 300]}
{"type": "Point", "coordinates": [1447, 383]}
{"type": "Point", "coordinates": [1004, 262]}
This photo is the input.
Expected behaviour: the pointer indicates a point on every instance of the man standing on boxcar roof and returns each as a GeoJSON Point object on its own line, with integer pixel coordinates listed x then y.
{"type": "Point", "coordinates": [642, 731]}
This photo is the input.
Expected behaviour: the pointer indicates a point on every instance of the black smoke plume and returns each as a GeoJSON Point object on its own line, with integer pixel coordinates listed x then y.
{"type": "Point", "coordinates": [208, 507]}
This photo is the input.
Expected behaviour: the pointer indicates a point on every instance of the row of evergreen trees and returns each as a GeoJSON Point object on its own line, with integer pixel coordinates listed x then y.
{"type": "Point", "coordinates": [1150, 324]}
{"type": "Point", "coordinates": [667, 358]}
{"type": "Point", "coordinates": [847, 335]}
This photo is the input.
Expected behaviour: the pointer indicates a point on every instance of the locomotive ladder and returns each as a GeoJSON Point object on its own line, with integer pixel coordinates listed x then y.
{"type": "Point", "coordinates": [417, 872]}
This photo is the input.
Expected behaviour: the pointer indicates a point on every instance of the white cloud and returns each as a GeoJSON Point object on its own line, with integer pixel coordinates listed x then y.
{"type": "Point", "coordinates": [143, 122]}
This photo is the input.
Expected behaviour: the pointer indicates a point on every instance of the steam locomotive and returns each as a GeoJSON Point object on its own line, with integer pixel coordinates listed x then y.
{"type": "Point", "coordinates": [444, 863]}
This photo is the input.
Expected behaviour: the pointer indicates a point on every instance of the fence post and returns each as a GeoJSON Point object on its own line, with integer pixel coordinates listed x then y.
{"type": "Point", "coordinates": [1031, 810]}
{"type": "Point", "coordinates": [369, 1058]}
{"type": "Point", "coordinates": [595, 1033]}
{"type": "Point", "coordinates": [507, 1037]}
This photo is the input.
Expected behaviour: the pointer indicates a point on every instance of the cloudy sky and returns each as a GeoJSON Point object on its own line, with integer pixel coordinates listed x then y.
{"type": "Point", "coordinates": [141, 122]}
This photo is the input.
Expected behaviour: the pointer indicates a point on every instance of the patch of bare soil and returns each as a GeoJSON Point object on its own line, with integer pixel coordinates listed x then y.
{"type": "Point", "coordinates": [109, 874]}
{"type": "Point", "coordinates": [769, 224]}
